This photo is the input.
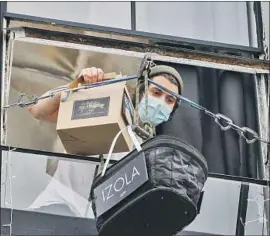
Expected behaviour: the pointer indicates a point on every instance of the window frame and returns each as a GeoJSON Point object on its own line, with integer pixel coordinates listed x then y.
{"type": "Point", "coordinates": [5, 16]}
{"type": "Point", "coordinates": [185, 42]}
{"type": "Point", "coordinates": [96, 161]}
{"type": "Point", "coordinates": [259, 31]}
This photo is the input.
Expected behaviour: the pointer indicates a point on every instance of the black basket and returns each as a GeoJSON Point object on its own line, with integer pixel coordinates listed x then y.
{"type": "Point", "coordinates": [153, 192]}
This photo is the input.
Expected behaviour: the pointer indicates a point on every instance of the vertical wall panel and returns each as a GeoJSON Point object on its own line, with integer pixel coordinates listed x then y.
{"type": "Point", "coordinates": [265, 14]}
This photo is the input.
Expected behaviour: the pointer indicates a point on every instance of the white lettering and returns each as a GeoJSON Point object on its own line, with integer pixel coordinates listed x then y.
{"type": "Point", "coordinates": [127, 183]}
{"type": "Point", "coordinates": [119, 185]}
{"type": "Point", "coordinates": [103, 195]}
{"type": "Point", "coordinates": [109, 195]}
{"type": "Point", "coordinates": [123, 183]}
{"type": "Point", "coordinates": [134, 172]}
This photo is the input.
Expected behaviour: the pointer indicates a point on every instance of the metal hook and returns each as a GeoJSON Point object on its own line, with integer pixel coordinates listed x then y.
{"type": "Point", "coordinates": [219, 116]}
{"type": "Point", "coordinates": [65, 96]}
{"type": "Point", "coordinates": [252, 132]}
{"type": "Point", "coordinates": [22, 96]}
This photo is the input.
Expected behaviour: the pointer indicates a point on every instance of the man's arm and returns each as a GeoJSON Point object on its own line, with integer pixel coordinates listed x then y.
{"type": "Point", "coordinates": [47, 109]}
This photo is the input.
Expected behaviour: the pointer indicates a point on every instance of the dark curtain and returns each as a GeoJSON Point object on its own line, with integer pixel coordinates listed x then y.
{"type": "Point", "coordinates": [226, 92]}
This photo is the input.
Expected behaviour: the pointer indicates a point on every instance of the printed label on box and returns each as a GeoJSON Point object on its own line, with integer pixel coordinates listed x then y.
{"type": "Point", "coordinates": [90, 108]}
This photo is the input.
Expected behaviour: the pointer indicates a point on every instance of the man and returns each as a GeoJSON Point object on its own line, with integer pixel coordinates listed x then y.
{"type": "Point", "coordinates": [68, 191]}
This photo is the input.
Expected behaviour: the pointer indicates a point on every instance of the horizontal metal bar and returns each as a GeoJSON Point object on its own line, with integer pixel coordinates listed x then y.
{"type": "Point", "coordinates": [239, 178]}
{"type": "Point", "coordinates": [179, 60]}
{"type": "Point", "coordinates": [178, 52]}
{"type": "Point", "coordinates": [65, 156]}
{"type": "Point", "coordinates": [161, 37]}
{"type": "Point", "coordinates": [214, 65]}
{"type": "Point", "coordinates": [79, 36]}
{"type": "Point", "coordinates": [97, 161]}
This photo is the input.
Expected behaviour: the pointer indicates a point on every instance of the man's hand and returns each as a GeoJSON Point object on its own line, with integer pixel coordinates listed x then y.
{"type": "Point", "coordinates": [47, 109]}
{"type": "Point", "coordinates": [91, 75]}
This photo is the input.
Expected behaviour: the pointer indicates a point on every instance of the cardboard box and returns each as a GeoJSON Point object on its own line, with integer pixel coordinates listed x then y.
{"type": "Point", "coordinates": [90, 119]}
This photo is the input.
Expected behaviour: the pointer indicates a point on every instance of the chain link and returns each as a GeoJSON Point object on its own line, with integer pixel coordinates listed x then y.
{"type": "Point", "coordinates": [219, 117]}
{"type": "Point", "coordinates": [243, 131]}
{"type": "Point", "coordinates": [223, 121]}
{"type": "Point", "coordinates": [147, 126]}
{"type": "Point", "coordinates": [26, 100]}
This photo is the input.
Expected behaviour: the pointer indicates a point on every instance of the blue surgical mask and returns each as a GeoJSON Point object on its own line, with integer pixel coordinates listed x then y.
{"type": "Point", "coordinates": [158, 111]}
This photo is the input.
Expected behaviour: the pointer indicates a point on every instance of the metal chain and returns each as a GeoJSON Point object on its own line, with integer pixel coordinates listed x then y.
{"type": "Point", "coordinates": [26, 100]}
{"type": "Point", "coordinates": [147, 126]}
{"type": "Point", "coordinates": [223, 121]}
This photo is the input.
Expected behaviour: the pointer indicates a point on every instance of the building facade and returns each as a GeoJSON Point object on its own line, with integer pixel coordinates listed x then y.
{"type": "Point", "coordinates": [219, 48]}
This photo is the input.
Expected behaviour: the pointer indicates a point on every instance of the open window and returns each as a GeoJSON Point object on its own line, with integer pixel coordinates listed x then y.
{"type": "Point", "coordinates": [42, 59]}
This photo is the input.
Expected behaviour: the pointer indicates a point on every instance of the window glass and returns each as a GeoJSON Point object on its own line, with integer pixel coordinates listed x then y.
{"type": "Point", "coordinates": [112, 14]}
{"type": "Point", "coordinates": [223, 22]}
{"type": "Point", "coordinates": [46, 184]}
{"type": "Point", "coordinates": [58, 186]}
{"type": "Point", "coordinates": [257, 216]}
{"type": "Point", "coordinates": [221, 204]}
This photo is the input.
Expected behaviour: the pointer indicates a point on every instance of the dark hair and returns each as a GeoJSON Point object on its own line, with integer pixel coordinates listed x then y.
{"type": "Point", "coordinates": [169, 77]}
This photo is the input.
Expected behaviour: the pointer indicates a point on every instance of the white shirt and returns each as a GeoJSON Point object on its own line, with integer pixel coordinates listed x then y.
{"type": "Point", "coordinates": [70, 185]}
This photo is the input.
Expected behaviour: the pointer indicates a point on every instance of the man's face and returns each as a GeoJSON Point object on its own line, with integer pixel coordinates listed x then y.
{"type": "Point", "coordinates": [156, 92]}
